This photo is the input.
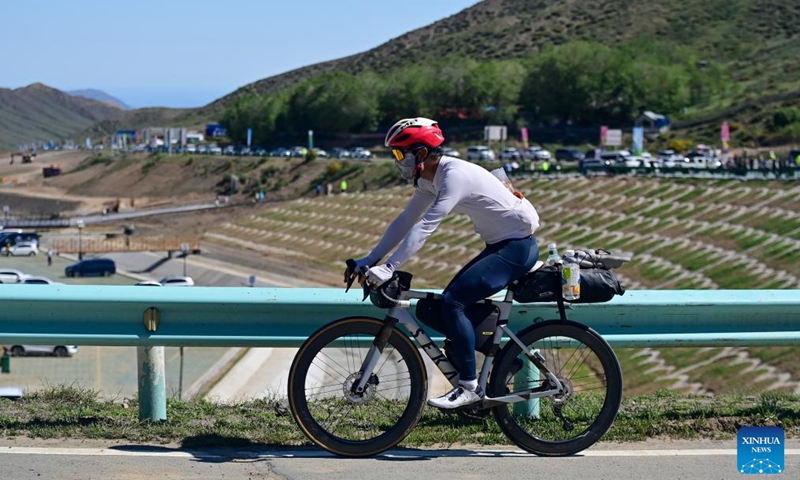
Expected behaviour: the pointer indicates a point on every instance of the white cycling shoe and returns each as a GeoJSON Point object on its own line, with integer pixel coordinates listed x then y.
{"type": "Point", "coordinates": [456, 398]}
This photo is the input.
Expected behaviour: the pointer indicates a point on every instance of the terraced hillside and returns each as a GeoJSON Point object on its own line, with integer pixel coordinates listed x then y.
{"type": "Point", "coordinates": [686, 234]}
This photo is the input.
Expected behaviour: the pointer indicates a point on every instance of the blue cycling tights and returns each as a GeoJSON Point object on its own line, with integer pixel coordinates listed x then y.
{"type": "Point", "coordinates": [492, 270]}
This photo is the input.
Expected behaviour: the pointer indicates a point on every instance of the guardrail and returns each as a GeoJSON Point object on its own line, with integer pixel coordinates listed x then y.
{"type": "Point", "coordinates": [285, 317]}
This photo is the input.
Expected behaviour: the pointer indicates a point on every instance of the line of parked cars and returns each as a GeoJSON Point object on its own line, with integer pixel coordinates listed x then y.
{"type": "Point", "coordinates": [484, 153]}
{"type": "Point", "coordinates": [663, 159]}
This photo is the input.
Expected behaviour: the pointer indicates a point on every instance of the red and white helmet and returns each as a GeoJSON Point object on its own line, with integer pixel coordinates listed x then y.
{"type": "Point", "coordinates": [414, 131]}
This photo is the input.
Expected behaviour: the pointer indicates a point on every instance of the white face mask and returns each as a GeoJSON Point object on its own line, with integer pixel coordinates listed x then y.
{"type": "Point", "coordinates": [407, 166]}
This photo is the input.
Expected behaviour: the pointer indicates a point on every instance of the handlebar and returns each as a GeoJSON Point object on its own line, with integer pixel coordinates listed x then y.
{"type": "Point", "coordinates": [350, 276]}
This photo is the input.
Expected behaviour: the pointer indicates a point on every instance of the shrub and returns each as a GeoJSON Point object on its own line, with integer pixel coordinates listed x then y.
{"type": "Point", "coordinates": [680, 144]}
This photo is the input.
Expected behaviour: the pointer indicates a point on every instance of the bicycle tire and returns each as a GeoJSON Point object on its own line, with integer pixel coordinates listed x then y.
{"type": "Point", "coordinates": [342, 423]}
{"type": "Point", "coordinates": [587, 366]}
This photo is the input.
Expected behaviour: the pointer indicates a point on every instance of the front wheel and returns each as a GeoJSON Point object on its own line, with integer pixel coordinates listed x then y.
{"type": "Point", "coordinates": [576, 418]}
{"type": "Point", "coordinates": [322, 397]}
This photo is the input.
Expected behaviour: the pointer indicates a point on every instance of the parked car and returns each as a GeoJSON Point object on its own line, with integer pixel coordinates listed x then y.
{"type": "Point", "coordinates": [340, 153]}
{"type": "Point", "coordinates": [536, 154]}
{"type": "Point", "coordinates": [320, 153]}
{"type": "Point", "coordinates": [698, 159]}
{"type": "Point", "coordinates": [480, 152]}
{"type": "Point", "coordinates": [38, 280]}
{"type": "Point", "coordinates": [360, 152]}
{"type": "Point", "coordinates": [10, 275]}
{"type": "Point", "coordinates": [22, 249]}
{"type": "Point", "coordinates": [569, 155]}
{"type": "Point", "coordinates": [55, 350]}
{"type": "Point", "coordinates": [176, 281]}
{"type": "Point", "coordinates": [280, 152]}
{"type": "Point", "coordinates": [99, 267]}
{"type": "Point", "coordinates": [451, 152]}
{"type": "Point", "coordinates": [620, 158]}
{"type": "Point", "coordinates": [510, 153]}
{"type": "Point", "coordinates": [298, 152]}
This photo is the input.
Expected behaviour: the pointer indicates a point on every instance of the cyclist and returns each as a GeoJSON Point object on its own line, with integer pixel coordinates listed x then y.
{"type": "Point", "coordinates": [503, 220]}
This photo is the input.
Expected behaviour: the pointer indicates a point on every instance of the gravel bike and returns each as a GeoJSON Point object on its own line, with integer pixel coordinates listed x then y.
{"type": "Point", "coordinates": [358, 385]}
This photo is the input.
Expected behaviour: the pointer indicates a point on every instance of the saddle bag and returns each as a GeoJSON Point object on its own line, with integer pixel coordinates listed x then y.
{"type": "Point", "coordinates": [483, 315]}
{"type": "Point", "coordinates": [598, 282]}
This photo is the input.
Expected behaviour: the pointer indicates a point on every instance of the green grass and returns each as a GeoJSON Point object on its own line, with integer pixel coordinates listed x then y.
{"type": "Point", "coordinates": [66, 412]}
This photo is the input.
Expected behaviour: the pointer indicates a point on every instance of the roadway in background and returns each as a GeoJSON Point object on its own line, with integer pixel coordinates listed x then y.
{"type": "Point", "coordinates": [112, 370]}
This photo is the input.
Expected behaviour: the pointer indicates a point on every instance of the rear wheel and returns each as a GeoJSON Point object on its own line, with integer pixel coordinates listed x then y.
{"type": "Point", "coordinates": [17, 351]}
{"type": "Point", "coordinates": [331, 414]}
{"type": "Point", "coordinates": [571, 421]}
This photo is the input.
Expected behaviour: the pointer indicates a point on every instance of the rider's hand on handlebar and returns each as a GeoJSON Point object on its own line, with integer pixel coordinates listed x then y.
{"type": "Point", "coordinates": [361, 266]}
{"type": "Point", "coordinates": [379, 274]}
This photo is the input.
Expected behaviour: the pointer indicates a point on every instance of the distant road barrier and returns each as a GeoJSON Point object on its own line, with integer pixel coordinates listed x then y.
{"type": "Point", "coordinates": [285, 317]}
{"type": "Point", "coordinates": [125, 244]}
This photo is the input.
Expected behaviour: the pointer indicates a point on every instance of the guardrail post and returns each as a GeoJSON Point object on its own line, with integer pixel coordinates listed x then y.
{"type": "Point", "coordinates": [5, 363]}
{"type": "Point", "coordinates": [528, 375]}
{"type": "Point", "coordinates": [152, 384]}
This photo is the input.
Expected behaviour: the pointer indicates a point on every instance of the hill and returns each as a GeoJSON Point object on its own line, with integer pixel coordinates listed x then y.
{"type": "Point", "coordinates": [41, 113]}
{"type": "Point", "coordinates": [100, 96]}
{"type": "Point", "coordinates": [756, 39]}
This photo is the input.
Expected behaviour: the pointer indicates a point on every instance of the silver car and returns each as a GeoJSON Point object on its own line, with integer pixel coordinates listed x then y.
{"type": "Point", "coordinates": [55, 350]}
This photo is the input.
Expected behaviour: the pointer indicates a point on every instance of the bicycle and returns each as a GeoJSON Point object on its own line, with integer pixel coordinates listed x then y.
{"type": "Point", "coordinates": [358, 385]}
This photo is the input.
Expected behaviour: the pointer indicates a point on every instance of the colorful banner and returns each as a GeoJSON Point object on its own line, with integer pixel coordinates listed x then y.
{"type": "Point", "coordinates": [638, 140]}
{"type": "Point", "coordinates": [725, 136]}
{"type": "Point", "coordinates": [524, 133]}
{"type": "Point", "coordinates": [603, 135]}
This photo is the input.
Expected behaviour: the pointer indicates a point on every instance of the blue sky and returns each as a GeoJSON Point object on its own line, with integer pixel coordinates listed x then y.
{"type": "Point", "coordinates": [183, 53]}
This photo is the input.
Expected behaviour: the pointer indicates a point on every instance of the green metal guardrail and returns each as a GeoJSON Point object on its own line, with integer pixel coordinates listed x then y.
{"type": "Point", "coordinates": [285, 317]}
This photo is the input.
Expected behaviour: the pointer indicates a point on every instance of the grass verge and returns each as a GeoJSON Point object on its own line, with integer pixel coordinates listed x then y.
{"type": "Point", "coordinates": [67, 412]}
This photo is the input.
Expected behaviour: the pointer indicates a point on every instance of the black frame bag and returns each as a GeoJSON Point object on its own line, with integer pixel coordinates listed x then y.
{"type": "Point", "coordinates": [483, 315]}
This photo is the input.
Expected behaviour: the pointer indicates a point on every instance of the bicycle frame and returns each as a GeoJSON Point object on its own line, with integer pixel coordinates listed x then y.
{"type": "Point", "coordinates": [399, 314]}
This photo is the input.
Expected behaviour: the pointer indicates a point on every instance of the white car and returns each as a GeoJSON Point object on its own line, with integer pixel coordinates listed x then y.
{"type": "Point", "coordinates": [480, 152]}
{"type": "Point", "coordinates": [360, 152]}
{"type": "Point", "coordinates": [510, 153]}
{"type": "Point", "coordinates": [10, 275]}
{"type": "Point", "coordinates": [536, 153]}
{"type": "Point", "coordinates": [176, 281]}
{"type": "Point", "coordinates": [55, 350]}
{"type": "Point", "coordinates": [37, 280]}
{"type": "Point", "coordinates": [23, 249]}
{"type": "Point", "coordinates": [451, 152]}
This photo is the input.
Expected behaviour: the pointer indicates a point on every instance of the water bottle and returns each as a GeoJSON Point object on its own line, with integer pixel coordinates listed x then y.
{"type": "Point", "coordinates": [571, 277]}
{"type": "Point", "coordinates": [553, 258]}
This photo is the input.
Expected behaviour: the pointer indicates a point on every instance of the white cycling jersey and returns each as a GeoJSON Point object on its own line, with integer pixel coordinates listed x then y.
{"type": "Point", "coordinates": [460, 187]}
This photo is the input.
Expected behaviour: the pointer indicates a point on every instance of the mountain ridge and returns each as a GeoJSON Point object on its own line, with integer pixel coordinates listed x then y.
{"type": "Point", "coordinates": [755, 41]}
{"type": "Point", "coordinates": [38, 112]}
{"type": "Point", "coordinates": [100, 96]}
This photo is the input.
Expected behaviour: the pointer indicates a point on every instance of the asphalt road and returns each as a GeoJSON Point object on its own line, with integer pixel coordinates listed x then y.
{"type": "Point", "coordinates": [650, 461]}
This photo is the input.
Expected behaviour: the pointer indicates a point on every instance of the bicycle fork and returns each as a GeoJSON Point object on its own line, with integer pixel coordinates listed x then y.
{"type": "Point", "coordinates": [395, 316]}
